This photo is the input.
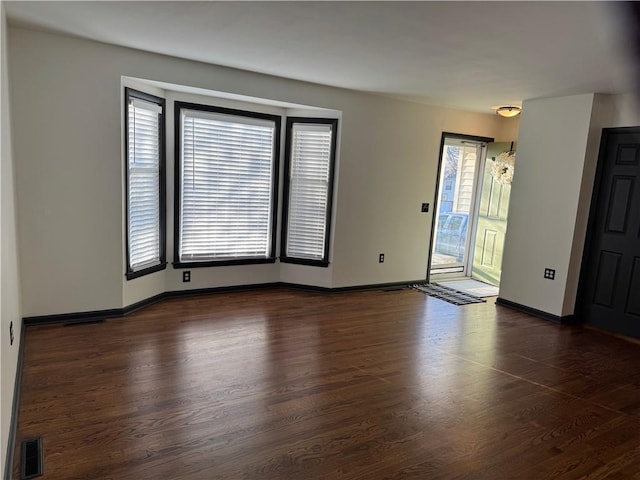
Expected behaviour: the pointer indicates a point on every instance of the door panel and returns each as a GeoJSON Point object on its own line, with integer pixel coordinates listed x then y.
{"type": "Point", "coordinates": [489, 248]}
{"type": "Point", "coordinates": [621, 194]}
{"type": "Point", "coordinates": [492, 222]}
{"type": "Point", "coordinates": [611, 276]}
{"type": "Point", "coordinates": [633, 302]}
{"type": "Point", "coordinates": [606, 278]}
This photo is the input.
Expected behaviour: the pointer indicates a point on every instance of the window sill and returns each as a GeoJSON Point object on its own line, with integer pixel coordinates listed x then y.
{"type": "Point", "coordinates": [305, 261]}
{"type": "Point", "coordinates": [140, 273]}
{"type": "Point", "coordinates": [223, 263]}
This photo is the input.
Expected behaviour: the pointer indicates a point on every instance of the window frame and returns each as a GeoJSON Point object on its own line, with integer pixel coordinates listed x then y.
{"type": "Point", "coordinates": [333, 122]}
{"type": "Point", "coordinates": [178, 106]}
{"type": "Point", "coordinates": [130, 93]}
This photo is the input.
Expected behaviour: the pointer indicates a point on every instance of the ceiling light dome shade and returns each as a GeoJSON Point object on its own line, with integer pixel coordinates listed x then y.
{"type": "Point", "coordinates": [508, 111]}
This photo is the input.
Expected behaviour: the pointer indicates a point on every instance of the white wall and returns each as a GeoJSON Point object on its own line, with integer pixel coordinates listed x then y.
{"type": "Point", "coordinates": [9, 281]}
{"type": "Point", "coordinates": [385, 182]}
{"type": "Point", "coordinates": [550, 198]}
{"type": "Point", "coordinates": [601, 116]}
{"type": "Point", "coordinates": [544, 200]}
{"type": "Point", "coordinates": [70, 167]}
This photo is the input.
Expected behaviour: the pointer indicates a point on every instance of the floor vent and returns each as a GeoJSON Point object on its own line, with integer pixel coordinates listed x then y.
{"type": "Point", "coordinates": [32, 465]}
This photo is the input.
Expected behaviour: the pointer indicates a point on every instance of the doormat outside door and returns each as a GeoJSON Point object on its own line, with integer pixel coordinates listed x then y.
{"type": "Point", "coordinates": [447, 294]}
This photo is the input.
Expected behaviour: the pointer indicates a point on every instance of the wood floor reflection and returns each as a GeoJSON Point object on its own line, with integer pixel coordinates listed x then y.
{"type": "Point", "coordinates": [286, 384]}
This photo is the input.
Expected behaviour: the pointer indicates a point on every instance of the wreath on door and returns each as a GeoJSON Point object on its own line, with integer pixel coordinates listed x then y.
{"type": "Point", "coordinates": [503, 167]}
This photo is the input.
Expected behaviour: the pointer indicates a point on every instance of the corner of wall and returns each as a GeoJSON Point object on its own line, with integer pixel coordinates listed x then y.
{"type": "Point", "coordinates": [625, 110]}
{"type": "Point", "coordinates": [10, 310]}
{"type": "Point", "coordinates": [546, 196]}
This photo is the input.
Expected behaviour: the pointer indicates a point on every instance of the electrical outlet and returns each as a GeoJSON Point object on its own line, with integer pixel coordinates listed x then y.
{"type": "Point", "coordinates": [549, 273]}
{"type": "Point", "coordinates": [10, 333]}
{"type": "Point", "coordinates": [424, 208]}
{"type": "Point", "coordinates": [381, 258]}
{"type": "Point", "coordinates": [186, 276]}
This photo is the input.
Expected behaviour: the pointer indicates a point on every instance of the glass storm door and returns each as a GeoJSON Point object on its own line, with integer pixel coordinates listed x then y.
{"type": "Point", "coordinates": [456, 206]}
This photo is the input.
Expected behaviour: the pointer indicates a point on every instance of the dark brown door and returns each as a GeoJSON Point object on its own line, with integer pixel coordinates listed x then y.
{"type": "Point", "coordinates": [611, 277]}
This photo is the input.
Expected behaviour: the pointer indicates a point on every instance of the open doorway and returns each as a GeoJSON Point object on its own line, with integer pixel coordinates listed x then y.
{"type": "Point", "coordinates": [471, 216]}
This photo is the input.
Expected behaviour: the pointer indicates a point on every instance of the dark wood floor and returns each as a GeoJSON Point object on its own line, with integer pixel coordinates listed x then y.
{"type": "Point", "coordinates": [284, 384]}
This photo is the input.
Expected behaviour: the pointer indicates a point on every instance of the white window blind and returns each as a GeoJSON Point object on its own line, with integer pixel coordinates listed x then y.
{"type": "Point", "coordinates": [144, 184]}
{"type": "Point", "coordinates": [227, 170]}
{"type": "Point", "coordinates": [308, 195]}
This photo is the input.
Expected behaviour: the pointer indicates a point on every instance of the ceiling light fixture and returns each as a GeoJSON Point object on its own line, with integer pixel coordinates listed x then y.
{"type": "Point", "coordinates": [508, 111]}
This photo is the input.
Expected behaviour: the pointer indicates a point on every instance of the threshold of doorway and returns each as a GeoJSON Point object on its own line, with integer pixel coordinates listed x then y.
{"type": "Point", "coordinates": [468, 285]}
{"type": "Point", "coordinates": [443, 274]}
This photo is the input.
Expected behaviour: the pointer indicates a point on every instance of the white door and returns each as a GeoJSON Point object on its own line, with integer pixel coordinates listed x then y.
{"type": "Point", "coordinates": [491, 224]}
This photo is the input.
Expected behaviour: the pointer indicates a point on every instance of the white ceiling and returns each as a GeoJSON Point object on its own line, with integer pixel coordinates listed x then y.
{"type": "Point", "coordinates": [470, 55]}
